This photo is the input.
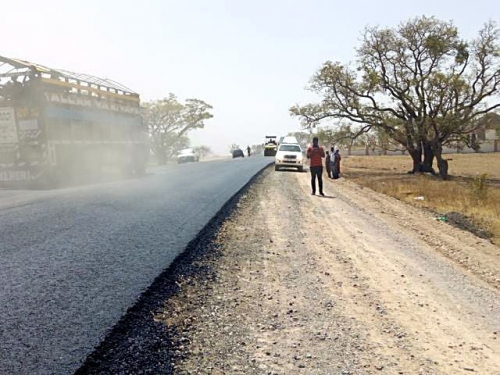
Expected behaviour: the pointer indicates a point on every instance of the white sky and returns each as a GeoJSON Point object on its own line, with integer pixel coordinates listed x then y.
{"type": "Point", "coordinates": [250, 59]}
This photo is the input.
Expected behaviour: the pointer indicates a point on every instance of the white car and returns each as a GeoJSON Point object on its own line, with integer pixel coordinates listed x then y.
{"type": "Point", "coordinates": [289, 155]}
{"type": "Point", "coordinates": [187, 155]}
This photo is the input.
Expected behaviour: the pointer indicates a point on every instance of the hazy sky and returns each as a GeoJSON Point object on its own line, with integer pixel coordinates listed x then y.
{"type": "Point", "coordinates": [250, 59]}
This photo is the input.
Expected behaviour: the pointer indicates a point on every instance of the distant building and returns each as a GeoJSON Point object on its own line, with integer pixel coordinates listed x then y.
{"type": "Point", "coordinates": [488, 128]}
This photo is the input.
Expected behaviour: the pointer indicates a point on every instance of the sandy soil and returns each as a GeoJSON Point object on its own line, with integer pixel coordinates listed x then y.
{"type": "Point", "coordinates": [465, 165]}
{"type": "Point", "coordinates": [353, 283]}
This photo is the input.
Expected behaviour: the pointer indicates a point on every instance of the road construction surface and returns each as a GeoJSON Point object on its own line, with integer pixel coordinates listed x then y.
{"type": "Point", "coordinates": [73, 260]}
{"type": "Point", "coordinates": [354, 283]}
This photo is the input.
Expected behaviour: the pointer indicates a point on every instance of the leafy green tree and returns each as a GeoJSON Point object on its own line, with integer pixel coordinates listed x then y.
{"type": "Point", "coordinates": [203, 151]}
{"type": "Point", "coordinates": [344, 136]}
{"type": "Point", "coordinates": [419, 83]}
{"type": "Point", "coordinates": [326, 136]}
{"type": "Point", "coordinates": [304, 138]}
{"type": "Point", "coordinates": [169, 121]}
{"type": "Point", "coordinates": [176, 144]}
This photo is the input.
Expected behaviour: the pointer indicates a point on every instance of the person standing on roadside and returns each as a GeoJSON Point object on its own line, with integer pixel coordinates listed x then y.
{"type": "Point", "coordinates": [332, 160]}
{"type": "Point", "coordinates": [328, 165]}
{"type": "Point", "coordinates": [336, 158]}
{"type": "Point", "coordinates": [315, 154]}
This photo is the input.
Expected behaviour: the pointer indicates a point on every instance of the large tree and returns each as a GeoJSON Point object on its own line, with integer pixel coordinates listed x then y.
{"type": "Point", "coordinates": [304, 138]}
{"type": "Point", "coordinates": [420, 83]}
{"type": "Point", "coordinates": [345, 135]}
{"type": "Point", "coordinates": [169, 121]}
{"type": "Point", "coordinates": [203, 150]}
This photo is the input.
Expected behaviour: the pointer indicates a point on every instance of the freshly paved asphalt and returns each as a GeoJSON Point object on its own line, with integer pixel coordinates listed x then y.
{"type": "Point", "coordinates": [72, 261]}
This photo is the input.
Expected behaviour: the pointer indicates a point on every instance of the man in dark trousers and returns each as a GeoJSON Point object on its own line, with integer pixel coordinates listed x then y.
{"type": "Point", "coordinates": [328, 165]}
{"type": "Point", "coordinates": [336, 158]}
{"type": "Point", "coordinates": [315, 154]}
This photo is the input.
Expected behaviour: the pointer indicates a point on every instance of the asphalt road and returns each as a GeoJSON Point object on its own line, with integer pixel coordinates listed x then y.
{"type": "Point", "coordinates": [73, 260]}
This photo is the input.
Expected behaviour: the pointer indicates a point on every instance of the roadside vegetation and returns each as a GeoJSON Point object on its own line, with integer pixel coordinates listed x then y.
{"type": "Point", "coordinates": [169, 122]}
{"type": "Point", "coordinates": [418, 87]}
{"type": "Point", "coordinates": [470, 198]}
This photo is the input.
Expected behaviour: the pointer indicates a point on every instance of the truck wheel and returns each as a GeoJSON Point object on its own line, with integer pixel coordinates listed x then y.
{"type": "Point", "coordinates": [276, 168]}
{"type": "Point", "coordinates": [300, 169]}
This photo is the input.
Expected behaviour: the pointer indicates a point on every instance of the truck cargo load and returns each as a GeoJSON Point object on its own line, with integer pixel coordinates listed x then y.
{"type": "Point", "coordinates": [57, 125]}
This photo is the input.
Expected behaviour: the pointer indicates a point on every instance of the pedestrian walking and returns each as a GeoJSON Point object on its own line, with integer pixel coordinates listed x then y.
{"type": "Point", "coordinates": [328, 165]}
{"type": "Point", "coordinates": [315, 154]}
{"type": "Point", "coordinates": [336, 164]}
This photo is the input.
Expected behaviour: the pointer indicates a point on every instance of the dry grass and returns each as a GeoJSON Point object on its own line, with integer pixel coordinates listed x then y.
{"type": "Point", "coordinates": [387, 174]}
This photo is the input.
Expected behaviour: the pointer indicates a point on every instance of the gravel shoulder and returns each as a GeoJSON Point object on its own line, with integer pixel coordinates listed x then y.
{"type": "Point", "coordinates": [353, 283]}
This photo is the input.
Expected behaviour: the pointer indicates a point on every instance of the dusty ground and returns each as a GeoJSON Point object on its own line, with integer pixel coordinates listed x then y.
{"type": "Point", "coordinates": [464, 165]}
{"type": "Point", "coordinates": [458, 198]}
{"type": "Point", "coordinates": [353, 283]}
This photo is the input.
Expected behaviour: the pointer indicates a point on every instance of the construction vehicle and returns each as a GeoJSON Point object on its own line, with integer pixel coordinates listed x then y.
{"type": "Point", "coordinates": [56, 125]}
{"type": "Point", "coordinates": [271, 146]}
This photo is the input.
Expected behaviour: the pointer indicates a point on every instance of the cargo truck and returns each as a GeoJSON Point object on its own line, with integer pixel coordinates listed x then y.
{"type": "Point", "coordinates": [56, 125]}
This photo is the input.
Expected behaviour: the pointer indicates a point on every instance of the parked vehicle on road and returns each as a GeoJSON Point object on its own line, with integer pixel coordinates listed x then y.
{"type": "Point", "coordinates": [187, 155]}
{"type": "Point", "coordinates": [289, 155]}
{"type": "Point", "coordinates": [238, 153]}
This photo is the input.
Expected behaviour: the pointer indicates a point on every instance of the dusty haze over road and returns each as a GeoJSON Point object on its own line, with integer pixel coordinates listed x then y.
{"type": "Point", "coordinates": [74, 260]}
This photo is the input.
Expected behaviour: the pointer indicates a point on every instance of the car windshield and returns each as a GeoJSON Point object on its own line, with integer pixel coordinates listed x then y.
{"type": "Point", "coordinates": [186, 151]}
{"type": "Point", "coordinates": [290, 148]}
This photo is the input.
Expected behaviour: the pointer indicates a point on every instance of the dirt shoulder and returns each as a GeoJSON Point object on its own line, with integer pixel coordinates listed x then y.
{"type": "Point", "coordinates": [347, 284]}
{"type": "Point", "coordinates": [469, 199]}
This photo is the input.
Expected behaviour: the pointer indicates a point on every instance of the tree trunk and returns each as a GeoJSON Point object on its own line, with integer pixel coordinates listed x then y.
{"type": "Point", "coordinates": [442, 163]}
{"type": "Point", "coordinates": [416, 155]}
{"type": "Point", "coordinates": [475, 143]}
{"type": "Point", "coordinates": [428, 158]}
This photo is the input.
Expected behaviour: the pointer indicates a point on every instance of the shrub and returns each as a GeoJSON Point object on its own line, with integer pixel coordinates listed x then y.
{"type": "Point", "coordinates": [479, 187]}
